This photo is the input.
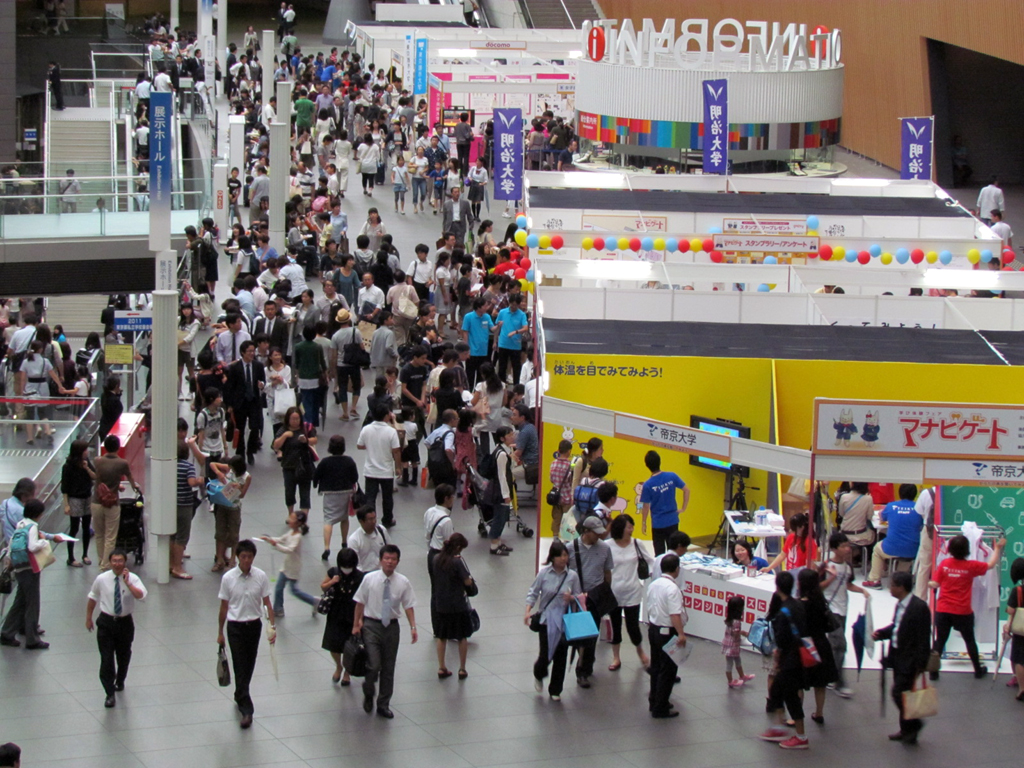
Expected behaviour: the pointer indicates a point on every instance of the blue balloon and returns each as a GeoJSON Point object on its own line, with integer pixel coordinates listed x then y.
{"type": "Point", "coordinates": [875, 251]}
{"type": "Point", "coordinates": [986, 256]}
{"type": "Point", "coordinates": [715, 231]}
{"type": "Point", "coordinates": [521, 221]}
{"type": "Point", "coordinates": [851, 255]}
{"type": "Point", "coordinates": [530, 274]}
{"type": "Point", "coordinates": [647, 244]}
{"type": "Point", "coordinates": [671, 245]}
{"type": "Point", "coordinates": [902, 256]}
{"type": "Point", "coordinates": [812, 222]}
{"type": "Point", "coordinates": [763, 288]}
{"type": "Point", "coordinates": [533, 240]}
{"type": "Point", "coordinates": [770, 260]}
{"type": "Point", "coordinates": [945, 257]}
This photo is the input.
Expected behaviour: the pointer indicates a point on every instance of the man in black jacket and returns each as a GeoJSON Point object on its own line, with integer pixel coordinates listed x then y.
{"type": "Point", "coordinates": [910, 635]}
{"type": "Point", "coordinates": [275, 326]}
{"type": "Point", "coordinates": [246, 379]}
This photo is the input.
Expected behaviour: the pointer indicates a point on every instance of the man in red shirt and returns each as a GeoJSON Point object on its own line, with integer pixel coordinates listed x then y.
{"type": "Point", "coordinates": [954, 578]}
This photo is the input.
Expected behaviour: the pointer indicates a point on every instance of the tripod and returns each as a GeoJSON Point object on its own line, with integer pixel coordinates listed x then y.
{"type": "Point", "coordinates": [734, 500]}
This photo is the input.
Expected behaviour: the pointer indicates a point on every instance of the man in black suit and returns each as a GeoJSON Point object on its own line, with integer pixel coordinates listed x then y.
{"type": "Point", "coordinates": [275, 326]}
{"type": "Point", "coordinates": [910, 635]}
{"type": "Point", "coordinates": [246, 379]}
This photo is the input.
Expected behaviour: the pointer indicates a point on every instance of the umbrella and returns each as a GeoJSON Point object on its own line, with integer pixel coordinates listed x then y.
{"type": "Point", "coordinates": [860, 638]}
{"type": "Point", "coordinates": [272, 633]}
{"type": "Point", "coordinates": [999, 661]}
{"type": "Point", "coordinates": [882, 678]}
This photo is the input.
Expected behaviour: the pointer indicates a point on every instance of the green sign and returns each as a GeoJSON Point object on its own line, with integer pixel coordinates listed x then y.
{"type": "Point", "coordinates": [990, 506]}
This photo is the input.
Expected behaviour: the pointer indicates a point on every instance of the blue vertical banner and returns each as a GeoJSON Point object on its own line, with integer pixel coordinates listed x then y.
{"type": "Point", "coordinates": [716, 126]}
{"type": "Point", "coordinates": [420, 79]}
{"type": "Point", "coordinates": [916, 139]}
{"type": "Point", "coordinates": [160, 137]}
{"type": "Point", "coordinates": [508, 154]}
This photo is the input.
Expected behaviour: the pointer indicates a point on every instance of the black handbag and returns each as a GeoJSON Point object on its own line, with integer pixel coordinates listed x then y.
{"type": "Point", "coordinates": [354, 656]}
{"type": "Point", "coordinates": [326, 601]}
{"type": "Point", "coordinates": [474, 620]}
{"type": "Point", "coordinates": [535, 624]}
{"type": "Point", "coordinates": [554, 496]}
{"type": "Point", "coordinates": [643, 569]}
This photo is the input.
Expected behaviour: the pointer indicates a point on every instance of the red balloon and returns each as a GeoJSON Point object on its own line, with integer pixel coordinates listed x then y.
{"type": "Point", "coordinates": [1008, 269]}
{"type": "Point", "coordinates": [557, 242]}
{"type": "Point", "coordinates": [716, 256]}
{"type": "Point", "coordinates": [825, 252]}
{"type": "Point", "coordinates": [634, 244]}
{"type": "Point", "coordinates": [708, 245]}
{"type": "Point", "coordinates": [526, 263]}
{"type": "Point", "coordinates": [684, 245]}
{"type": "Point", "coordinates": [1008, 255]}
{"type": "Point", "coordinates": [520, 273]}
{"type": "Point", "coordinates": [863, 257]}
{"type": "Point", "coordinates": [599, 243]}
{"type": "Point", "coordinates": [917, 255]}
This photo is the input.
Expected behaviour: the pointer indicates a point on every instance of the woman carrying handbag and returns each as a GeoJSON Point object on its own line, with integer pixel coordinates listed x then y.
{"type": "Point", "coordinates": [553, 589]}
{"type": "Point", "coordinates": [451, 613]}
{"type": "Point", "coordinates": [340, 585]}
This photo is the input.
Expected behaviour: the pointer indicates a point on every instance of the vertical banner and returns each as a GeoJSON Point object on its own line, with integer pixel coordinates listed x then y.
{"type": "Point", "coordinates": [508, 154]}
{"type": "Point", "coordinates": [208, 44]}
{"type": "Point", "coordinates": [716, 126]}
{"type": "Point", "coordinates": [409, 65]}
{"type": "Point", "coordinates": [916, 134]}
{"type": "Point", "coordinates": [420, 69]}
{"type": "Point", "coordinates": [160, 137]}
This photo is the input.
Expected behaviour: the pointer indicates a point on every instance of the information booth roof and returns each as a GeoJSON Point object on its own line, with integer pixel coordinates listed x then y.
{"type": "Point", "coordinates": [783, 342]}
{"type": "Point", "coordinates": [775, 204]}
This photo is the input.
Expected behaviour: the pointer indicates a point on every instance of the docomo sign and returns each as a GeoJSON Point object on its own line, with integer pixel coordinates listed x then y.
{"type": "Point", "coordinates": [742, 46]}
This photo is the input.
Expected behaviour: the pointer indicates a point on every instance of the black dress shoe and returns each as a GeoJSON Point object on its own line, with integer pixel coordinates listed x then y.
{"type": "Point", "coordinates": [385, 712]}
{"type": "Point", "coordinates": [251, 458]}
{"type": "Point", "coordinates": [910, 738]}
{"type": "Point", "coordinates": [246, 721]}
{"type": "Point", "coordinates": [898, 736]}
{"type": "Point", "coordinates": [665, 715]}
{"type": "Point", "coordinates": [109, 701]}
{"type": "Point", "coordinates": [11, 641]}
{"type": "Point", "coordinates": [981, 671]}
{"type": "Point", "coordinates": [118, 686]}
{"type": "Point", "coordinates": [582, 682]}
{"type": "Point", "coordinates": [367, 704]}
{"type": "Point", "coordinates": [40, 646]}
{"type": "Point", "coordinates": [679, 679]}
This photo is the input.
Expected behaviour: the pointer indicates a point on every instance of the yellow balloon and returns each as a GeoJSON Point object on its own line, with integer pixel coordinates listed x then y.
{"type": "Point", "coordinates": [659, 244]}
{"type": "Point", "coordinates": [588, 243]}
{"type": "Point", "coordinates": [931, 257]}
{"type": "Point", "coordinates": [545, 241]}
{"type": "Point", "coordinates": [771, 286]}
{"type": "Point", "coordinates": [623, 243]}
{"type": "Point", "coordinates": [696, 245]}
{"type": "Point", "coordinates": [838, 253]}
{"type": "Point", "coordinates": [523, 282]}
{"type": "Point", "coordinates": [520, 237]}
{"type": "Point", "coordinates": [973, 256]}
{"type": "Point", "coordinates": [812, 233]}
{"type": "Point", "coordinates": [530, 285]}
{"type": "Point", "coordinates": [886, 258]}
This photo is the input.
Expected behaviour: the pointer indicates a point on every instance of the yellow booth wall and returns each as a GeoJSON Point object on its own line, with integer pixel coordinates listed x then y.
{"type": "Point", "coordinates": [668, 389]}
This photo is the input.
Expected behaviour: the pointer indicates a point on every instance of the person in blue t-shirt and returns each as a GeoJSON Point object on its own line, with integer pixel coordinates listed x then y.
{"type": "Point", "coordinates": [904, 535]}
{"type": "Point", "coordinates": [511, 326]}
{"type": "Point", "coordinates": [476, 330]}
{"type": "Point", "coordinates": [659, 501]}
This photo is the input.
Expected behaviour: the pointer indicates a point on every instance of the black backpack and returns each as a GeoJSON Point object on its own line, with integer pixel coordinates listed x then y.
{"type": "Point", "coordinates": [488, 466]}
{"type": "Point", "coordinates": [436, 453]}
{"type": "Point", "coordinates": [254, 264]}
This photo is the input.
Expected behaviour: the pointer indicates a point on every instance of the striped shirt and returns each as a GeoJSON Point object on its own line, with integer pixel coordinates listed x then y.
{"type": "Point", "coordinates": [185, 472]}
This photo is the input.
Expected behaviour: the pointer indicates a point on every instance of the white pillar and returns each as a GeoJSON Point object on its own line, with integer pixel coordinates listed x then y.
{"type": "Point", "coordinates": [284, 102]}
{"type": "Point", "coordinates": [207, 44]}
{"type": "Point", "coordinates": [236, 145]}
{"type": "Point", "coordinates": [269, 45]}
{"type": "Point", "coordinates": [222, 41]}
{"type": "Point", "coordinates": [220, 198]}
{"type": "Point", "coordinates": [175, 19]}
{"type": "Point", "coordinates": [280, 165]}
{"type": "Point", "coordinates": [164, 443]}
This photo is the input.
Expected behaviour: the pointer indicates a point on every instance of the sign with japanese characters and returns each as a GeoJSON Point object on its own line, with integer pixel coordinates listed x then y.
{"type": "Point", "coordinates": [916, 147]}
{"type": "Point", "coordinates": [160, 137]}
{"type": "Point", "coordinates": [508, 154]}
{"type": "Point", "coordinates": [758, 226]}
{"type": "Point", "coordinates": [716, 126]}
{"type": "Point", "coordinates": [672, 436]}
{"type": "Point", "coordinates": [990, 474]}
{"type": "Point", "coordinates": [928, 430]}
{"type": "Point", "coordinates": [766, 243]}
{"type": "Point", "coordinates": [420, 69]}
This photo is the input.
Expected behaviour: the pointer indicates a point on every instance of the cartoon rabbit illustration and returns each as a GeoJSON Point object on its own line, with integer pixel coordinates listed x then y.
{"type": "Point", "coordinates": [845, 428]}
{"type": "Point", "coordinates": [870, 431]}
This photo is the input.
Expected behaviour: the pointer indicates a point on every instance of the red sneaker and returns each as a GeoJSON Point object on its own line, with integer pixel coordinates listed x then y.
{"type": "Point", "coordinates": [794, 742]}
{"type": "Point", "coordinates": [774, 734]}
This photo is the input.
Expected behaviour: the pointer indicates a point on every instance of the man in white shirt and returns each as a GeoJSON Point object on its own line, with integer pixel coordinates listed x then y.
{"type": "Point", "coordinates": [437, 523]}
{"type": "Point", "coordinates": [370, 299]}
{"type": "Point", "coordinates": [259, 188]}
{"type": "Point", "coordinates": [678, 543]}
{"type": "Point", "coordinates": [18, 347]}
{"type": "Point", "coordinates": [162, 83]}
{"type": "Point", "coordinates": [115, 591]}
{"type": "Point", "coordinates": [69, 189]}
{"type": "Point", "coordinates": [421, 270]}
{"type": "Point", "coordinates": [990, 199]}
{"type": "Point", "coordinates": [269, 113]}
{"type": "Point", "coordinates": [380, 600]}
{"type": "Point", "coordinates": [665, 606]}
{"type": "Point", "coordinates": [1002, 229]}
{"type": "Point", "coordinates": [229, 341]}
{"type": "Point", "coordinates": [383, 458]}
{"type": "Point", "coordinates": [244, 593]}
{"type": "Point", "coordinates": [367, 539]}
{"type": "Point", "coordinates": [295, 274]}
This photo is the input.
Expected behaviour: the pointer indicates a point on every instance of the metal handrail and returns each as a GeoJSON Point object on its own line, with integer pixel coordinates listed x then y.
{"type": "Point", "coordinates": [567, 14]}
{"type": "Point", "coordinates": [525, 10]}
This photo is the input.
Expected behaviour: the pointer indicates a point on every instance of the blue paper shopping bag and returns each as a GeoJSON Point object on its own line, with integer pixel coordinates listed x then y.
{"type": "Point", "coordinates": [579, 624]}
{"type": "Point", "coordinates": [221, 494]}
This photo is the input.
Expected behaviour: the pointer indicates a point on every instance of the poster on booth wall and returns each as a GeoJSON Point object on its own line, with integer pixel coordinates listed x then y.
{"type": "Point", "coordinates": [919, 429]}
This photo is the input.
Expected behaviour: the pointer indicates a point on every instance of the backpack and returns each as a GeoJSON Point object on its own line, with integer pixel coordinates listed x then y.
{"type": "Point", "coordinates": [436, 453]}
{"type": "Point", "coordinates": [207, 253]}
{"type": "Point", "coordinates": [488, 466]}
{"type": "Point", "coordinates": [19, 547]}
{"type": "Point", "coordinates": [585, 499]}
{"type": "Point", "coordinates": [254, 264]}
{"type": "Point", "coordinates": [762, 636]}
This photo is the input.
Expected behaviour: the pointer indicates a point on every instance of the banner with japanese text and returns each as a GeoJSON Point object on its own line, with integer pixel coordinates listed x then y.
{"type": "Point", "coordinates": [919, 429]}
{"type": "Point", "coordinates": [916, 135]}
{"type": "Point", "coordinates": [420, 68]}
{"type": "Point", "coordinates": [160, 137]}
{"type": "Point", "coordinates": [716, 126]}
{"type": "Point", "coordinates": [508, 154]}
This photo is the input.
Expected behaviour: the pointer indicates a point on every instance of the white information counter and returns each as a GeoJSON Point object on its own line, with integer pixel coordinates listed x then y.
{"type": "Point", "coordinates": [706, 596]}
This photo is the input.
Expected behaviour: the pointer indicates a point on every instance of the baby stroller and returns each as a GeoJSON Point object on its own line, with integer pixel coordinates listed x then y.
{"type": "Point", "coordinates": [478, 498]}
{"type": "Point", "coordinates": [131, 531]}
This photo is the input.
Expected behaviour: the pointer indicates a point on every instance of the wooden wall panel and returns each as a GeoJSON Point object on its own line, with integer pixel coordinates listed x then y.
{"type": "Point", "coordinates": [884, 48]}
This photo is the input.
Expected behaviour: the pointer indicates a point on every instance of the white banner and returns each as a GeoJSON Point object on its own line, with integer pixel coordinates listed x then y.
{"type": "Point", "coordinates": [672, 436]}
{"type": "Point", "coordinates": [966, 472]}
{"type": "Point", "coordinates": [940, 430]}
{"type": "Point", "coordinates": [766, 243]}
{"type": "Point", "coordinates": [759, 226]}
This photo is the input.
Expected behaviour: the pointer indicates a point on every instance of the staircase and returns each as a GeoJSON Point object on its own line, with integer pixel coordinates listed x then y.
{"type": "Point", "coordinates": [561, 14]}
{"type": "Point", "coordinates": [81, 138]}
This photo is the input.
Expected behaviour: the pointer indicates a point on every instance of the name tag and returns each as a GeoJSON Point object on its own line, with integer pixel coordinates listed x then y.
{"type": "Point", "coordinates": [664, 631]}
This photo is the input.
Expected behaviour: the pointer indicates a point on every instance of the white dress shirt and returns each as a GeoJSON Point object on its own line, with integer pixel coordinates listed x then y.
{"type": "Point", "coordinates": [990, 199]}
{"type": "Point", "coordinates": [664, 600]}
{"type": "Point", "coordinates": [421, 271]}
{"type": "Point", "coordinates": [244, 593]}
{"type": "Point", "coordinates": [656, 571]}
{"type": "Point", "coordinates": [367, 546]}
{"type": "Point", "coordinates": [371, 595]}
{"type": "Point", "coordinates": [901, 608]}
{"type": "Point", "coordinates": [372, 295]}
{"type": "Point", "coordinates": [437, 536]}
{"type": "Point", "coordinates": [103, 593]}
{"type": "Point", "coordinates": [229, 349]}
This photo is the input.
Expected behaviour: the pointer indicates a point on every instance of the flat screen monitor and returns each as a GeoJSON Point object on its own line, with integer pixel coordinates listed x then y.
{"type": "Point", "coordinates": [720, 427]}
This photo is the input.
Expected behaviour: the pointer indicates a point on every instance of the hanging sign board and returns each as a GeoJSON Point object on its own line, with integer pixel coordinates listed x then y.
{"type": "Point", "coordinates": [766, 243]}
{"type": "Point", "coordinates": [672, 436]}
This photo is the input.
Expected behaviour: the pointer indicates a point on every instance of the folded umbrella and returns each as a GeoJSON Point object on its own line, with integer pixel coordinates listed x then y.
{"type": "Point", "coordinates": [999, 661]}
{"type": "Point", "coordinates": [859, 629]}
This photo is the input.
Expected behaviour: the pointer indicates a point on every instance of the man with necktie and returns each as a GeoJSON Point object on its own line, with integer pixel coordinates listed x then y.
{"type": "Point", "coordinates": [910, 635]}
{"type": "Point", "coordinates": [230, 340]}
{"type": "Point", "coordinates": [246, 380]}
{"type": "Point", "coordinates": [115, 591]}
{"type": "Point", "coordinates": [380, 600]}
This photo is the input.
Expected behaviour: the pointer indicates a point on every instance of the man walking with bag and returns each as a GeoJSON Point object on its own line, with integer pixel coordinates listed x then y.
{"type": "Point", "coordinates": [115, 591]}
{"type": "Point", "coordinates": [591, 558]}
{"type": "Point", "coordinates": [665, 604]}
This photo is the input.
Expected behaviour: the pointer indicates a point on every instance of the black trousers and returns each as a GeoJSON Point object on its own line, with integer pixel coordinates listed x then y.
{"type": "Point", "coordinates": [251, 415]}
{"type": "Point", "coordinates": [114, 636]}
{"type": "Point", "coordinates": [962, 623]}
{"type": "Point", "coordinates": [422, 290]}
{"type": "Point", "coordinates": [636, 636]}
{"type": "Point", "coordinates": [441, 472]}
{"type": "Point", "coordinates": [904, 681]}
{"type": "Point", "coordinates": [505, 357]}
{"type": "Point", "coordinates": [386, 486]}
{"type": "Point", "coordinates": [463, 154]}
{"type": "Point", "coordinates": [785, 690]}
{"type": "Point", "coordinates": [23, 615]}
{"type": "Point", "coordinates": [244, 641]}
{"type": "Point", "coordinates": [473, 365]}
{"type": "Point", "coordinates": [663, 670]}
{"type": "Point", "coordinates": [558, 661]}
{"type": "Point", "coordinates": [588, 650]}
{"type": "Point", "coordinates": [659, 537]}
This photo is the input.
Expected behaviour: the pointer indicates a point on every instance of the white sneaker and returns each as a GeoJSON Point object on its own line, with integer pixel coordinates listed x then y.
{"type": "Point", "coordinates": [538, 685]}
{"type": "Point", "coordinates": [846, 693]}
{"type": "Point", "coordinates": [506, 215]}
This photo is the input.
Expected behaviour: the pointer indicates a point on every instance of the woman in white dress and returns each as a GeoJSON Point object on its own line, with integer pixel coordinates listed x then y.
{"type": "Point", "coordinates": [443, 292]}
{"type": "Point", "coordinates": [343, 156]}
{"type": "Point", "coordinates": [279, 379]}
{"type": "Point", "coordinates": [368, 156]}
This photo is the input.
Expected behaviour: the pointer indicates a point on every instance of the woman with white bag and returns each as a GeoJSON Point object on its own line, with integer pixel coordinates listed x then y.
{"type": "Point", "coordinates": [281, 392]}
